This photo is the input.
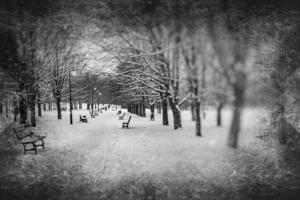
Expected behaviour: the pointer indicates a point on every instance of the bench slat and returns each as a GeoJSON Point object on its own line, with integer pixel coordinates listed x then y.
{"type": "Point", "coordinates": [126, 124]}
{"type": "Point", "coordinates": [29, 139]}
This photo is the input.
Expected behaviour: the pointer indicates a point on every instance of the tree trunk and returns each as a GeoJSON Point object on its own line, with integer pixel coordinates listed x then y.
{"type": "Point", "coordinates": [219, 114]}
{"type": "Point", "coordinates": [44, 107]}
{"type": "Point", "coordinates": [165, 118]}
{"type": "Point", "coordinates": [58, 108]}
{"type": "Point", "coordinates": [176, 113]}
{"type": "Point", "coordinates": [87, 106]}
{"type": "Point", "coordinates": [49, 106]}
{"type": "Point", "coordinates": [139, 109]}
{"type": "Point", "coordinates": [235, 127]}
{"type": "Point", "coordinates": [39, 108]}
{"type": "Point", "coordinates": [198, 118]}
{"type": "Point", "coordinates": [236, 119]}
{"type": "Point", "coordinates": [39, 104]}
{"type": "Point", "coordinates": [32, 110]}
{"type": "Point", "coordinates": [193, 111]}
{"type": "Point", "coordinates": [143, 109]}
{"type": "Point", "coordinates": [176, 118]}
{"type": "Point", "coordinates": [239, 88]}
{"type": "Point", "coordinates": [32, 114]}
{"type": "Point", "coordinates": [136, 108]}
{"type": "Point", "coordinates": [16, 110]}
{"type": "Point", "coordinates": [173, 100]}
{"type": "Point", "coordinates": [152, 110]}
{"type": "Point", "coordinates": [80, 105]}
{"type": "Point", "coordinates": [23, 110]}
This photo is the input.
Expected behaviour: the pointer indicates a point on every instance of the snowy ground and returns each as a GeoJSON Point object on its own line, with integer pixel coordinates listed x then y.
{"type": "Point", "coordinates": [146, 147]}
{"type": "Point", "coordinates": [100, 160]}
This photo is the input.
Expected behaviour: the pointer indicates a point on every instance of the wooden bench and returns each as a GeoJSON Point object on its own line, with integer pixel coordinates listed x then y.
{"type": "Point", "coordinates": [152, 117]}
{"type": "Point", "coordinates": [122, 117]}
{"type": "Point", "coordinates": [126, 124]}
{"type": "Point", "coordinates": [20, 129]}
{"type": "Point", "coordinates": [83, 118]}
{"type": "Point", "coordinates": [92, 115]}
{"type": "Point", "coordinates": [34, 141]}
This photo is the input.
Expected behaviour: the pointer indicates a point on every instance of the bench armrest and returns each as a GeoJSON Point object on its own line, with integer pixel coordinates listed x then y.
{"type": "Point", "coordinates": [24, 136]}
{"type": "Point", "coordinates": [28, 142]}
{"type": "Point", "coordinates": [38, 137]}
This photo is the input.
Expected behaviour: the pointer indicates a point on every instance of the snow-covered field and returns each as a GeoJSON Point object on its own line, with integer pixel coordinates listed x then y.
{"type": "Point", "coordinates": [110, 152]}
{"type": "Point", "coordinates": [100, 160]}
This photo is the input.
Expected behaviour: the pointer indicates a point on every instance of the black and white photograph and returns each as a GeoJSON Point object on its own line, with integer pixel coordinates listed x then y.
{"type": "Point", "coordinates": [149, 99]}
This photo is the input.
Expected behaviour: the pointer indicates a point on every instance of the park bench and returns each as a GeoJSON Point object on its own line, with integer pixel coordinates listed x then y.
{"type": "Point", "coordinates": [63, 108]}
{"type": "Point", "coordinates": [83, 118]}
{"type": "Point", "coordinates": [92, 114]}
{"type": "Point", "coordinates": [126, 124]}
{"type": "Point", "coordinates": [29, 138]}
{"type": "Point", "coordinates": [152, 117]}
{"type": "Point", "coordinates": [122, 117]}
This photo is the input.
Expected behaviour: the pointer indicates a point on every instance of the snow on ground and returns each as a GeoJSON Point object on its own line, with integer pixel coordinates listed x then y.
{"type": "Point", "coordinates": [147, 147]}
{"type": "Point", "coordinates": [101, 150]}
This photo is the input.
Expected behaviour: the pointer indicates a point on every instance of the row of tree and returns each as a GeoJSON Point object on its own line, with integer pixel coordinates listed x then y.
{"type": "Point", "coordinates": [40, 62]}
{"type": "Point", "coordinates": [165, 53]}
{"type": "Point", "coordinates": [173, 52]}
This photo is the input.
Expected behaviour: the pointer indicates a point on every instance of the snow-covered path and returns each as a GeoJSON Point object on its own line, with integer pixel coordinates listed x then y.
{"type": "Point", "coordinates": [109, 152]}
{"type": "Point", "coordinates": [100, 160]}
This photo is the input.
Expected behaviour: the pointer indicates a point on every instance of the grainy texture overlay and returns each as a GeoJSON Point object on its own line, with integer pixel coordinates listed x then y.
{"type": "Point", "coordinates": [150, 99]}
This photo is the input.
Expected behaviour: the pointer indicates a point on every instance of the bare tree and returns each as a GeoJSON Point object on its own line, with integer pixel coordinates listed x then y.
{"type": "Point", "coordinates": [30, 39]}
{"type": "Point", "coordinates": [58, 59]}
{"type": "Point", "coordinates": [235, 55]}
